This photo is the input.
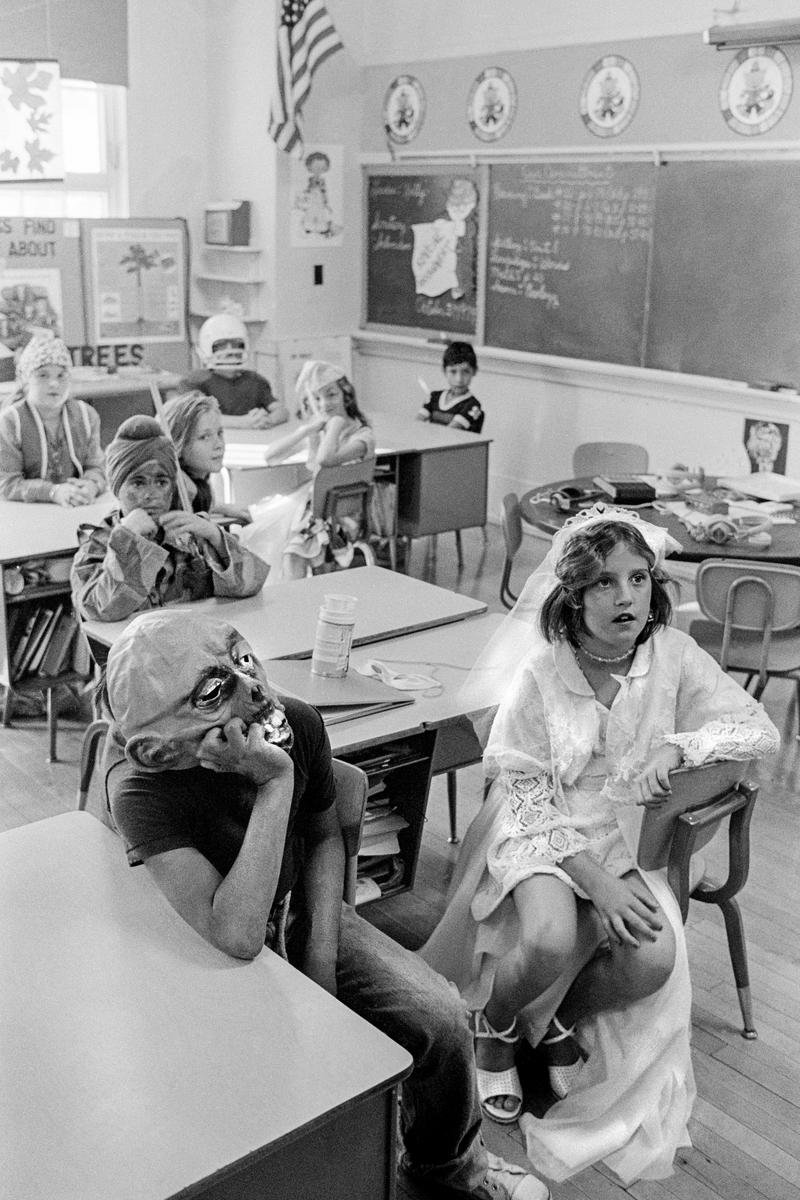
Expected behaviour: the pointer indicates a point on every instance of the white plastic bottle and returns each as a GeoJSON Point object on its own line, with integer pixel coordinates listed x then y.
{"type": "Point", "coordinates": [331, 654]}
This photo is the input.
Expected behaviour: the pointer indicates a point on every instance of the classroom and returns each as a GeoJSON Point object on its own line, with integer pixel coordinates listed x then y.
{"type": "Point", "coordinates": [568, 960]}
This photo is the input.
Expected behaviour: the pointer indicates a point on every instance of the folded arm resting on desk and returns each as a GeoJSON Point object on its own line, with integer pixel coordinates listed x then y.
{"type": "Point", "coordinates": [118, 572]}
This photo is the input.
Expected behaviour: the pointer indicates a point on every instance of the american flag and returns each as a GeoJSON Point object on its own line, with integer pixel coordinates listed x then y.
{"type": "Point", "coordinates": [306, 37]}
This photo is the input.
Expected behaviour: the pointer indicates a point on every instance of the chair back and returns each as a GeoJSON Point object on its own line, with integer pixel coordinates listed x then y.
{"type": "Point", "coordinates": [602, 458]}
{"type": "Point", "coordinates": [691, 788]}
{"type": "Point", "coordinates": [344, 490]}
{"type": "Point", "coordinates": [511, 524]}
{"type": "Point", "coordinates": [351, 800]}
{"type": "Point", "coordinates": [748, 598]}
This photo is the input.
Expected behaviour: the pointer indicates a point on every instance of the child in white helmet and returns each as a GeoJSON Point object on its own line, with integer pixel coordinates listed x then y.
{"type": "Point", "coordinates": [245, 398]}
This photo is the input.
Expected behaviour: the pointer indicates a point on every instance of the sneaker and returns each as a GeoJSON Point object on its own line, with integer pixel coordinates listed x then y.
{"type": "Point", "coordinates": [507, 1181]}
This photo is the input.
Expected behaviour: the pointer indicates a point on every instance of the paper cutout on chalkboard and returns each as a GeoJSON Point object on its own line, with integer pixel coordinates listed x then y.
{"type": "Point", "coordinates": [755, 90]}
{"type": "Point", "coordinates": [30, 121]}
{"type": "Point", "coordinates": [434, 260]}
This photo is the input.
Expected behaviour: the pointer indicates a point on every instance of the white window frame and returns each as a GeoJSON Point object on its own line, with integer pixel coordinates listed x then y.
{"type": "Point", "coordinates": [111, 181]}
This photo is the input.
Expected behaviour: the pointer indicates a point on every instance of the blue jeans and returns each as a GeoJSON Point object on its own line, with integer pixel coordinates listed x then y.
{"type": "Point", "coordinates": [402, 996]}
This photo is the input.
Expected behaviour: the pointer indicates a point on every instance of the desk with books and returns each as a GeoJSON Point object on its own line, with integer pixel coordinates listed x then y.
{"type": "Point", "coordinates": [39, 646]}
{"type": "Point", "coordinates": [537, 510]}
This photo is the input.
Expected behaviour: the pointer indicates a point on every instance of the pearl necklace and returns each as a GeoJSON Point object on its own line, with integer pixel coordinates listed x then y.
{"type": "Point", "coordinates": [599, 658]}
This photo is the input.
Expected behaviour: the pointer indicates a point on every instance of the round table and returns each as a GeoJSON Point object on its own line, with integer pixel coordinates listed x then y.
{"type": "Point", "coordinates": [785, 546]}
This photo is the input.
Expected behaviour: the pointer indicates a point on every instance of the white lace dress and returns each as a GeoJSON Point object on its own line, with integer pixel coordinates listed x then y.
{"type": "Point", "coordinates": [563, 767]}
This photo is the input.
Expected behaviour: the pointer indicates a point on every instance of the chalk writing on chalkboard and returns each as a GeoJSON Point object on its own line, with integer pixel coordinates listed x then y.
{"type": "Point", "coordinates": [422, 250]}
{"type": "Point", "coordinates": [568, 248]}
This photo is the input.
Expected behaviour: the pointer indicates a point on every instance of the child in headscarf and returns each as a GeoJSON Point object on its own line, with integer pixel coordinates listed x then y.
{"type": "Point", "coordinates": [195, 424]}
{"type": "Point", "coordinates": [284, 529]}
{"type": "Point", "coordinates": [151, 552]}
{"type": "Point", "coordinates": [49, 444]}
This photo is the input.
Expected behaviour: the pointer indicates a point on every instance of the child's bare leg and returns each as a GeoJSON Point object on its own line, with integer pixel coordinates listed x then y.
{"type": "Point", "coordinates": [615, 978]}
{"type": "Point", "coordinates": [547, 911]}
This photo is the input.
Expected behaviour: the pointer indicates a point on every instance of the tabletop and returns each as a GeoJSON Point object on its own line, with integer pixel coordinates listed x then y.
{"type": "Point", "coordinates": [139, 1060]}
{"type": "Point", "coordinates": [30, 530]}
{"type": "Point", "coordinates": [281, 621]}
{"type": "Point", "coordinates": [785, 547]}
{"type": "Point", "coordinates": [445, 654]}
{"type": "Point", "coordinates": [394, 435]}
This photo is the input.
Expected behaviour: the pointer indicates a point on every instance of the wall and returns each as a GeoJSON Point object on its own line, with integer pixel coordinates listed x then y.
{"type": "Point", "coordinates": [201, 74]}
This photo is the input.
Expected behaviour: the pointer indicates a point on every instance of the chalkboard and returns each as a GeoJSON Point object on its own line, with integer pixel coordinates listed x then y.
{"type": "Point", "coordinates": [422, 249]}
{"type": "Point", "coordinates": [725, 292]}
{"type": "Point", "coordinates": [567, 258]}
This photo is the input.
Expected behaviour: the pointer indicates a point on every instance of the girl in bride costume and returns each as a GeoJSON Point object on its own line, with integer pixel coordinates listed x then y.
{"type": "Point", "coordinates": [284, 531]}
{"type": "Point", "coordinates": [552, 932]}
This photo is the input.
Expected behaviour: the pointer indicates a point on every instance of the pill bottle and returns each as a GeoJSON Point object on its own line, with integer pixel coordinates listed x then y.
{"type": "Point", "coordinates": [334, 636]}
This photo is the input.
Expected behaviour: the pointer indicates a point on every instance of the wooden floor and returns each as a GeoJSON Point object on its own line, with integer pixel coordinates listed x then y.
{"type": "Point", "coordinates": [746, 1122]}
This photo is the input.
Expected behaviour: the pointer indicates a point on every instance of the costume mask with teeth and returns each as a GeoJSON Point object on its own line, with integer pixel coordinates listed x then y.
{"type": "Point", "coordinates": [173, 676]}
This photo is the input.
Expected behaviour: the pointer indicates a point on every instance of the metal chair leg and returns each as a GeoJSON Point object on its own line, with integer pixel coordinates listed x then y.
{"type": "Point", "coordinates": [89, 748]}
{"type": "Point", "coordinates": [52, 724]}
{"type": "Point", "coordinates": [459, 555]}
{"type": "Point", "coordinates": [737, 948]}
{"type": "Point", "coordinates": [452, 800]}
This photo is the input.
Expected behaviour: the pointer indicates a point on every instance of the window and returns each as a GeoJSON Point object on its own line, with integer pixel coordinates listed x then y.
{"type": "Point", "coordinates": [95, 168]}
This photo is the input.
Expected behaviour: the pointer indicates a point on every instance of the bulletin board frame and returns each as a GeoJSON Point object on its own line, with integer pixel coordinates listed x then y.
{"type": "Point", "coordinates": [136, 286]}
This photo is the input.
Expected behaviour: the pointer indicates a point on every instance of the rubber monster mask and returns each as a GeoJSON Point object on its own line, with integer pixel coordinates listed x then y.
{"type": "Point", "coordinates": [173, 676]}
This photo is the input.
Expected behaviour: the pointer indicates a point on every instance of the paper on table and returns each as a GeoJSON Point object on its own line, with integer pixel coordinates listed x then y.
{"type": "Point", "coordinates": [342, 699]}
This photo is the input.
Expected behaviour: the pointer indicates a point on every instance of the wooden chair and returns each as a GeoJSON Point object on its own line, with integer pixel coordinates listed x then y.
{"type": "Point", "coordinates": [511, 524]}
{"type": "Point", "coordinates": [601, 458]}
{"type": "Point", "coordinates": [702, 799]}
{"type": "Point", "coordinates": [351, 799]}
{"type": "Point", "coordinates": [341, 495]}
{"type": "Point", "coordinates": [752, 618]}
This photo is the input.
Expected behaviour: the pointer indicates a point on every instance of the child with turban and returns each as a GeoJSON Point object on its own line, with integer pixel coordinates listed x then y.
{"type": "Point", "coordinates": [151, 552]}
{"type": "Point", "coordinates": [49, 444]}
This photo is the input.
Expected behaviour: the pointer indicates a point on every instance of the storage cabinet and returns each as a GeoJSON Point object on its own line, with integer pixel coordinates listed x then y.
{"type": "Point", "coordinates": [41, 645]}
{"type": "Point", "coordinates": [400, 773]}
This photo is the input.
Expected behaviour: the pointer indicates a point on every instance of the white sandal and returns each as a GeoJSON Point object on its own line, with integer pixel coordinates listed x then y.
{"type": "Point", "coordinates": [498, 1083]}
{"type": "Point", "coordinates": [562, 1077]}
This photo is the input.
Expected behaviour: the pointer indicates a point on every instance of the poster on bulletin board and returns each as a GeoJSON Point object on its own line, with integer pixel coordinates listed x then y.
{"type": "Point", "coordinates": [40, 280]}
{"type": "Point", "coordinates": [136, 286]}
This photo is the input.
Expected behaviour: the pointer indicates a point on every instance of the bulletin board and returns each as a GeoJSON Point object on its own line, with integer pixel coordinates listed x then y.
{"type": "Point", "coordinates": [136, 287]}
{"type": "Point", "coordinates": [117, 297]}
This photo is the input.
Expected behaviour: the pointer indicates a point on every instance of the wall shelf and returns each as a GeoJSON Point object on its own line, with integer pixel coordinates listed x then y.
{"type": "Point", "coordinates": [228, 276]}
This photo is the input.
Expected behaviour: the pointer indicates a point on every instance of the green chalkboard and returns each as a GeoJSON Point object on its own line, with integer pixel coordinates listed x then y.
{"type": "Point", "coordinates": [725, 291]}
{"type": "Point", "coordinates": [567, 258]}
{"type": "Point", "coordinates": [422, 249]}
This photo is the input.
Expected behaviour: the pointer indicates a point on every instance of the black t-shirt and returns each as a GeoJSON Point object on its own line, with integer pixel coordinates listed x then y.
{"type": "Point", "coordinates": [236, 394]}
{"type": "Point", "coordinates": [167, 810]}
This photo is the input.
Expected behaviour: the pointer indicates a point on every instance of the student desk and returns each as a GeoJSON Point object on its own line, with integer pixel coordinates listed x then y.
{"type": "Point", "coordinates": [42, 537]}
{"type": "Point", "coordinates": [281, 621]}
{"type": "Point", "coordinates": [140, 1063]}
{"type": "Point", "coordinates": [441, 473]}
